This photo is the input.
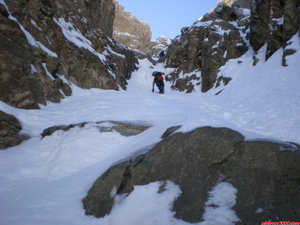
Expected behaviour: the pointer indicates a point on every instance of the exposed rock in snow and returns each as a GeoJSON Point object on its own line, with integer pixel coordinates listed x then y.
{"type": "Point", "coordinates": [48, 46]}
{"type": "Point", "coordinates": [125, 129]}
{"type": "Point", "coordinates": [197, 161]}
{"type": "Point", "coordinates": [207, 45]}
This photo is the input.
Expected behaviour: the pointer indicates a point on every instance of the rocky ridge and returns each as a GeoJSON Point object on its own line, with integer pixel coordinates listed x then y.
{"type": "Point", "coordinates": [228, 32]}
{"type": "Point", "coordinates": [46, 46]}
{"type": "Point", "coordinates": [130, 31]}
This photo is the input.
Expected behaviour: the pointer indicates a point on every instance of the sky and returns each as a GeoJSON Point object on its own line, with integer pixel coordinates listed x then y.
{"type": "Point", "coordinates": [167, 17]}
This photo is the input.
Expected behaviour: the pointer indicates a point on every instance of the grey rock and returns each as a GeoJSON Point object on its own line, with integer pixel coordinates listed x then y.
{"type": "Point", "coordinates": [265, 177]}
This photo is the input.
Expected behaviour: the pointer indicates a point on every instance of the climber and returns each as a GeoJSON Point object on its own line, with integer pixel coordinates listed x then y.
{"type": "Point", "coordinates": [159, 81]}
{"type": "Point", "coordinates": [162, 54]}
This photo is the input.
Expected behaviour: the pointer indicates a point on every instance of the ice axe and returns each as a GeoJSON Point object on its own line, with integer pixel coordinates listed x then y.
{"type": "Point", "coordinates": [153, 86]}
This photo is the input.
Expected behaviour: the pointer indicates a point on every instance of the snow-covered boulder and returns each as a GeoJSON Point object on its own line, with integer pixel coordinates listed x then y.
{"type": "Point", "coordinates": [264, 174]}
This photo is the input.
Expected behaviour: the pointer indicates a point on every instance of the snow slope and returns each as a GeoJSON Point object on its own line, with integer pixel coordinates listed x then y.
{"type": "Point", "coordinates": [42, 181]}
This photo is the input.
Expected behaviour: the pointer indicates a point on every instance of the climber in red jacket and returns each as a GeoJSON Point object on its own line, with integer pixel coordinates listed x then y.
{"type": "Point", "coordinates": [159, 81]}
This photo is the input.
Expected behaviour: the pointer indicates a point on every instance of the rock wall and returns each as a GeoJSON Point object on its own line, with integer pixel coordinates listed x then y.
{"type": "Point", "coordinates": [131, 31]}
{"type": "Point", "coordinates": [274, 23]}
{"type": "Point", "coordinates": [207, 45]}
{"type": "Point", "coordinates": [47, 45]}
{"type": "Point", "coordinates": [265, 174]}
{"type": "Point", "coordinates": [227, 32]}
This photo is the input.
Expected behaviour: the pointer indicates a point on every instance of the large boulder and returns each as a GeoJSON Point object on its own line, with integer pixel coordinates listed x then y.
{"type": "Point", "coordinates": [46, 46]}
{"type": "Point", "coordinates": [131, 31]}
{"type": "Point", "coordinates": [266, 175]}
{"type": "Point", "coordinates": [10, 129]}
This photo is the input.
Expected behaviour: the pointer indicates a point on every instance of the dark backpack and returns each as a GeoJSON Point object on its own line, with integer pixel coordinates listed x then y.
{"type": "Point", "coordinates": [158, 76]}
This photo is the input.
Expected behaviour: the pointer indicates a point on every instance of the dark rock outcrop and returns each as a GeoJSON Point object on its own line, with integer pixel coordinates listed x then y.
{"type": "Point", "coordinates": [124, 128]}
{"type": "Point", "coordinates": [46, 45]}
{"type": "Point", "coordinates": [273, 23]}
{"type": "Point", "coordinates": [266, 175]}
{"type": "Point", "coordinates": [227, 32]}
{"type": "Point", "coordinates": [10, 131]}
{"type": "Point", "coordinates": [208, 44]}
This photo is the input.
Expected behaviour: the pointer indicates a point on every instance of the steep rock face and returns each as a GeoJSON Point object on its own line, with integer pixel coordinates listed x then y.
{"type": "Point", "coordinates": [266, 175]}
{"type": "Point", "coordinates": [46, 45]}
{"type": "Point", "coordinates": [9, 131]}
{"type": "Point", "coordinates": [207, 45]}
{"type": "Point", "coordinates": [227, 32]}
{"type": "Point", "coordinates": [130, 31]}
{"type": "Point", "coordinates": [273, 23]}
